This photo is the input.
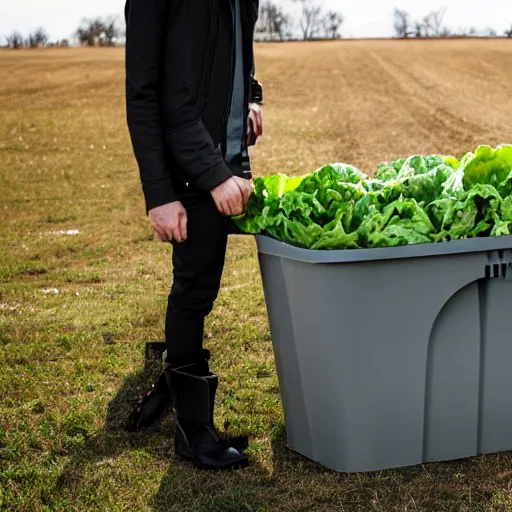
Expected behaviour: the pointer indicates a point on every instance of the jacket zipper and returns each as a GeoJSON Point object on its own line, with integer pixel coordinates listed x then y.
{"type": "Point", "coordinates": [205, 82]}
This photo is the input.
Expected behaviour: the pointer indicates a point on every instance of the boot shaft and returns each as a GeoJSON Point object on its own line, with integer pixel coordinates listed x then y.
{"type": "Point", "coordinates": [193, 388]}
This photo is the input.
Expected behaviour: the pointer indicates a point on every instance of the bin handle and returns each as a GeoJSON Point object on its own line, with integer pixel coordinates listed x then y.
{"type": "Point", "coordinates": [499, 265]}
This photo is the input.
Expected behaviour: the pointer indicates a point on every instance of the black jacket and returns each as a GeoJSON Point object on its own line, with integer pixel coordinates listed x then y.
{"type": "Point", "coordinates": [179, 74]}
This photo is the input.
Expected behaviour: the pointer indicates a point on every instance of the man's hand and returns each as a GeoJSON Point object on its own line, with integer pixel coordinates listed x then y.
{"type": "Point", "coordinates": [255, 124]}
{"type": "Point", "coordinates": [232, 196]}
{"type": "Point", "coordinates": [246, 187]}
{"type": "Point", "coordinates": [169, 222]}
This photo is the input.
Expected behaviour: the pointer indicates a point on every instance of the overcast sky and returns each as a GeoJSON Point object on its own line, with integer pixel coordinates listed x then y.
{"type": "Point", "coordinates": [364, 18]}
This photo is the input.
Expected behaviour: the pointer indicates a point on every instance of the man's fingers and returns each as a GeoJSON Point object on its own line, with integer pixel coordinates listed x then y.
{"type": "Point", "coordinates": [248, 190]}
{"type": "Point", "coordinates": [258, 123]}
{"type": "Point", "coordinates": [241, 201]}
{"type": "Point", "coordinates": [169, 222]}
{"type": "Point", "coordinates": [183, 227]}
{"type": "Point", "coordinates": [238, 207]}
{"type": "Point", "coordinates": [246, 193]}
{"type": "Point", "coordinates": [256, 120]}
{"type": "Point", "coordinates": [179, 230]}
{"type": "Point", "coordinates": [169, 234]}
{"type": "Point", "coordinates": [220, 206]}
{"type": "Point", "coordinates": [176, 234]}
{"type": "Point", "coordinates": [230, 197]}
{"type": "Point", "coordinates": [234, 202]}
{"type": "Point", "coordinates": [245, 187]}
{"type": "Point", "coordinates": [229, 207]}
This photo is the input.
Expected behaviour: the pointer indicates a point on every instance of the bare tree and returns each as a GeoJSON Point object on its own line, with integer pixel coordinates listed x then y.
{"type": "Point", "coordinates": [402, 24]}
{"type": "Point", "coordinates": [273, 22]}
{"type": "Point", "coordinates": [110, 31]}
{"type": "Point", "coordinates": [310, 20]}
{"type": "Point", "coordinates": [15, 40]}
{"type": "Point", "coordinates": [508, 32]}
{"type": "Point", "coordinates": [98, 32]}
{"type": "Point", "coordinates": [491, 32]}
{"type": "Point", "coordinates": [473, 31]}
{"type": "Point", "coordinates": [89, 31]}
{"type": "Point", "coordinates": [433, 22]}
{"type": "Point", "coordinates": [38, 38]}
{"type": "Point", "coordinates": [332, 22]}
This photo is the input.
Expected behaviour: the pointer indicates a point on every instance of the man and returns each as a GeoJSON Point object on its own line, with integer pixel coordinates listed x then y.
{"type": "Point", "coordinates": [192, 105]}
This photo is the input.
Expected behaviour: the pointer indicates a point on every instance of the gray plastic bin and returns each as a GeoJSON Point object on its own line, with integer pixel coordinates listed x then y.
{"type": "Point", "coordinates": [392, 357]}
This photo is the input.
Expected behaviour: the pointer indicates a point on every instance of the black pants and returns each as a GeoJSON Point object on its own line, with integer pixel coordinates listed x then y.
{"type": "Point", "coordinates": [198, 264]}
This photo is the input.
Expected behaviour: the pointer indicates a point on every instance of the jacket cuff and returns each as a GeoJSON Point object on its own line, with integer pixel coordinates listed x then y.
{"type": "Point", "coordinates": [196, 156]}
{"type": "Point", "coordinates": [158, 193]}
{"type": "Point", "coordinates": [218, 175]}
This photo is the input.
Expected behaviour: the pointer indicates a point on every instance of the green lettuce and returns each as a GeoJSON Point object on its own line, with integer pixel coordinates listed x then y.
{"type": "Point", "coordinates": [419, 199]}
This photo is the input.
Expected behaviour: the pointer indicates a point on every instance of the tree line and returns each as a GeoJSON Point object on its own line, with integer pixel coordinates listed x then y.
{"type": "Point", "coordinates": [274, 24]}
{"type": "Point", "coordinates": [432, 25]}
{"type": "Point", "coordinates": [314, 23]}
{"type": "Point", "coordinates": [91, 32]}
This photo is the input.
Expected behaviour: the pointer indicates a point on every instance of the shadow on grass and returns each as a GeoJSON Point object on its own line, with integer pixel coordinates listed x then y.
{"type": "Point", "coordinates": [185, 487]}
{"type": "Point", "coordinates": [289, 482]}
{"type": "Point", "coordinates": [263, 486]}
{"type": "Point", "coordinates": [116, 437]}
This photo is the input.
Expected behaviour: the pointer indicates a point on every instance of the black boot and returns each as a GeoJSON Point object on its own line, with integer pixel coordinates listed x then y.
{"type": "Point", "coordinates": [151, 406]}
{"type": "Point", "coordinates": [193, 388]}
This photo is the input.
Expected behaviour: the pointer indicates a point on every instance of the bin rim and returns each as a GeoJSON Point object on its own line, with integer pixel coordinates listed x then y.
{"type": "Point", "coordinates": [272, 247]}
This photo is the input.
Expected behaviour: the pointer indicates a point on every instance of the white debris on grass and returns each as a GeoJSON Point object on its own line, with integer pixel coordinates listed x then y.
{"type": "Point", "coordinates": [50, 291]}
{"type": "Point", "coordinates": [69, 232]}
{"type": "Point", "coordinates": [105, 462]}
{"type": "Point", "coordinates": [9, 307]}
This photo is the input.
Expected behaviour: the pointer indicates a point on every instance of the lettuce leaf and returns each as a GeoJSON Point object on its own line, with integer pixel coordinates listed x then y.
{"type": "Point", "coordinates": [488, 166]}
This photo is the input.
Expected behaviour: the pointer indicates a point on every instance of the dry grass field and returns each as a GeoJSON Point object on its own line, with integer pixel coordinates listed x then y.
{"type": "Point", "coordinates": [77, 309]}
